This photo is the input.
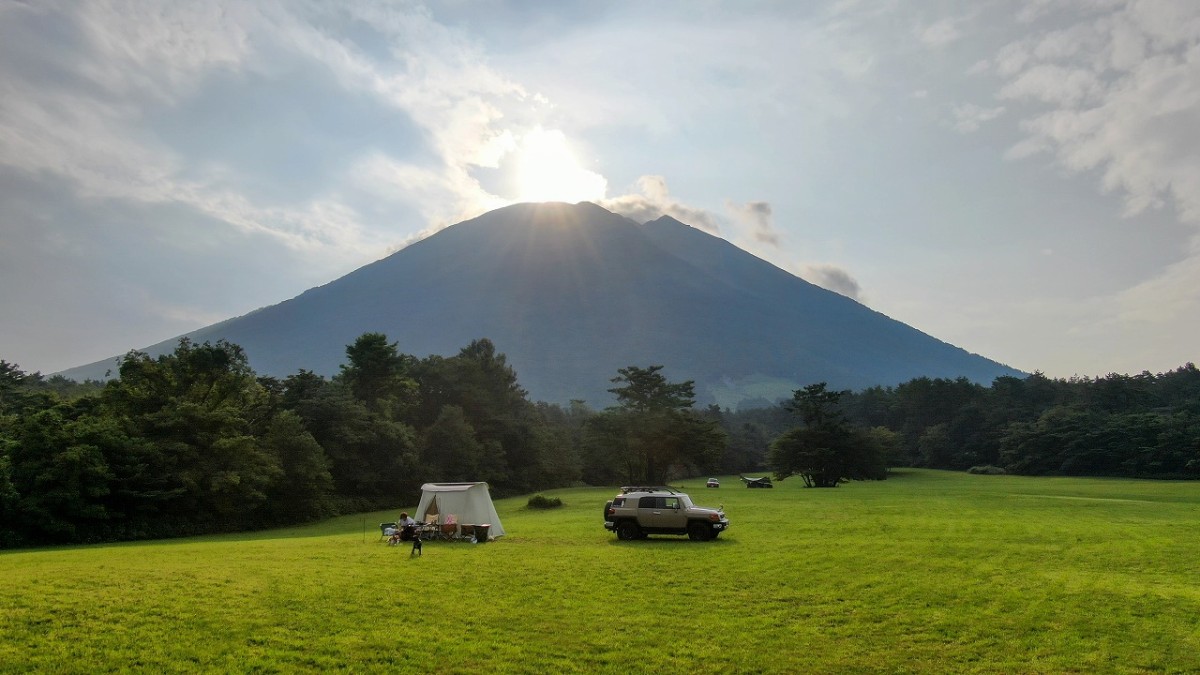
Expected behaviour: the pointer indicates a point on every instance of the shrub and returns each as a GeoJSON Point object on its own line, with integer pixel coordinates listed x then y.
{"type": "Point", "coordinates": [987, 470]}
{"type": "Point", "coordinates": [544, 502]}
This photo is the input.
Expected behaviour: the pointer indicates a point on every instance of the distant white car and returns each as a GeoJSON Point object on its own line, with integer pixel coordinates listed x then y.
{"type": "Point", "coordinates": [713, 482]}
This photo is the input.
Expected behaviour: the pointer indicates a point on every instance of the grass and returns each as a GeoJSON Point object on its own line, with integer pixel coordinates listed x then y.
{"type": "Point", "coordinates": [925, 572]}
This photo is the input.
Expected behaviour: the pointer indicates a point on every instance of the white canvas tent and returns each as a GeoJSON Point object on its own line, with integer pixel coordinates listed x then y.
{"type": "Point", "coordinates": [470, 502]}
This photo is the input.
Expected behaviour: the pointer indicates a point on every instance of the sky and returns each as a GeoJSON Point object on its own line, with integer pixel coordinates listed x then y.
{"type": "Point", "coordinates": [1020, 178]}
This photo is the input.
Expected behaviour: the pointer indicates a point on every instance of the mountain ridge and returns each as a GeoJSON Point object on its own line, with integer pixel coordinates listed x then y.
{"type": "Point", "coordinates": [572, 292]}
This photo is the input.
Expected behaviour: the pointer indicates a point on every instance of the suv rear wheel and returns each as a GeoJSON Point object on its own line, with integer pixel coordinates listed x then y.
{"type": "Point", "coordinates": [628, 530]}
{"type": "Point", "coordinates": [698, 531]}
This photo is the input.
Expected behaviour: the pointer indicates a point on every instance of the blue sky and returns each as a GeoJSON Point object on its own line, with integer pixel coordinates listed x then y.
{"type": "Point", "coordinates": [1020, 178]}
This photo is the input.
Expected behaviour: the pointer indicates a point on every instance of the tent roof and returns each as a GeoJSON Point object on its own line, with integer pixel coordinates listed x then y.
{"type": "Point", "coordinates": [448, 487]}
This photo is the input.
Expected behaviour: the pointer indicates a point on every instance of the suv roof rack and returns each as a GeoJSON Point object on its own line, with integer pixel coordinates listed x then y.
{"type": "Point", "coordinates": [626, 489]}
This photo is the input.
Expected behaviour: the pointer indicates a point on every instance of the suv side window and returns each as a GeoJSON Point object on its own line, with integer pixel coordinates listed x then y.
{"type": "Point", "coordinates": [648, 502]}
{"type": "Point", "coordinates": [670, 502]}
{"type": "Point", "coordinates": [619, 501]}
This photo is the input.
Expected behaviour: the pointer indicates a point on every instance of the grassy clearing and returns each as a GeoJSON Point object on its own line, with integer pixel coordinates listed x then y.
{"type": "Point", "coordinates": [926, 572]}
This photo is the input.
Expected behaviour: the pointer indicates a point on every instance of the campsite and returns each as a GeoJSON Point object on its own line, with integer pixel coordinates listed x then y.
{"type": "Point", "coordinates": [451, 507]}
{"type": "Point", "coordinates": [928, 571]}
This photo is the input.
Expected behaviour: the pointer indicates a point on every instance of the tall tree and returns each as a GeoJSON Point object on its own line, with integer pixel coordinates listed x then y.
{"type": "Point", "coordinates": [644, 390]}
{"type": "Point", "coordinates": [826, 450]}
{"type": "Point", "coordinates": [202, 411]}
{"type": "Point", "coordinates": [377, 373]}
{"type": "Point", "coordinates": [653, 431]}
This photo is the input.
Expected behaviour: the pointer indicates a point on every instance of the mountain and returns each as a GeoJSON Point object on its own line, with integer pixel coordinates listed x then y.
{"type": "Point", "coordinates": [571, 293]}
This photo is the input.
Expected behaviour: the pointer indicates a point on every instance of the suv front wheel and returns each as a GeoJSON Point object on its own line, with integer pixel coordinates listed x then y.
{"type": "Point", "coordinates": [698, 531]}
{"type": "Point", "coordinates": [628, 530]}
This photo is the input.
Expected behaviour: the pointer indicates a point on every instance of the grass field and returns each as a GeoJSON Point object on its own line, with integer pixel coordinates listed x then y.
{"type": "Point", "coordinates": [925, 572]}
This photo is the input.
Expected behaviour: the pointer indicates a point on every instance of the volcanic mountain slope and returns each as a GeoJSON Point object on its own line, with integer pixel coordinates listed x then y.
{"type": "Point", "coordinates": [571, 293]}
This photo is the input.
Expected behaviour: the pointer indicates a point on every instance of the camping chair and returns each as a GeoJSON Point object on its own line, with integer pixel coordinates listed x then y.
{"type": "Point", "coordinates": [429, 528]}
{"type": "Point", "coordinates": [383, 530]}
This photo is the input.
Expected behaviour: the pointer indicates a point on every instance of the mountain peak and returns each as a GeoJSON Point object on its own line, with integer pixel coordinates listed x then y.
{"type": "Point", "coordinates": [573, 292]}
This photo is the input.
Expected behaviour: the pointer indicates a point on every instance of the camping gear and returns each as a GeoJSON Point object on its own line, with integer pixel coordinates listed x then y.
{"type": "Point", "coordinates": [470, 504]}
{"type": "Point", "coordinates": [764, 482]}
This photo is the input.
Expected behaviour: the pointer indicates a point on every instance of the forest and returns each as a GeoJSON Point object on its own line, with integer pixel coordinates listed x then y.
{"type": "Point", "coordinates": [196, 442]}
{"type": "Point", "coordinates": [1135, 426]}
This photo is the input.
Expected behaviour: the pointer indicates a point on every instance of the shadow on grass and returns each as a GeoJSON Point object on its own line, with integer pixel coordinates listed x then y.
{"type": "Point", "coordinates": [668, 540]}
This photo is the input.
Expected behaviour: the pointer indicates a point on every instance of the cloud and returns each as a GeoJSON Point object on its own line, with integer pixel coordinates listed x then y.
{"type": "Point", "coordinates": [111, 109]}
{"type": "Point", "coordinates": [968, 117]}
{"type": "Point", "coordinates": [653, 200]}
{"type": "Point", "coordinates": [1157, 304]}
{"type": "Point", "coordinates": [832, 278]}
{"type": "Point", "coordinates": [940, 33]}
{"type": "Point", "coordinates": [234, 142]}
{"type": "Point", "coordinates": [1110, 90]}
{"type": "Point", "coordinates": [1116, 94]}
{"type": "Point", "coordinates": [756, 215]}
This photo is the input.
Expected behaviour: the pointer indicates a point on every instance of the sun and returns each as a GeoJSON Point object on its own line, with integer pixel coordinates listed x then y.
{"type": "Point", "coordinates": [547, 171]}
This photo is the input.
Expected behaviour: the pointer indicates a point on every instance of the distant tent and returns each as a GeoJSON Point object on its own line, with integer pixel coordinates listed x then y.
{"type": "Point", "coordinates": [471, 503]}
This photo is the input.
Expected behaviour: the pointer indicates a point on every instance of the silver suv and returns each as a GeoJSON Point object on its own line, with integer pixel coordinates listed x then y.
{"type": "Point", "coordinates": [639, 511]}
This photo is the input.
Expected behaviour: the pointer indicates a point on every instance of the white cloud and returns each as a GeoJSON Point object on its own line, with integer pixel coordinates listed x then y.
{"type": "Point", "coordinates": [143, 108]}
{"type": "Point", "coordinates": [1118, 95]}
{"type": "Point", "coordinates": [1113, 93]}
{"type": "Point", "coordinates": [653, 200]}
{"type": "Point", "coordinates": [1054, 84]}
{"type": "Point", "coordinates": [969, 117]}
{"type": "Point", "coordinates": [1158, 304]}
{"type": "Point", "coordinates": [940, 33]}
{"type": "Point", "coordinates": [95, 134]}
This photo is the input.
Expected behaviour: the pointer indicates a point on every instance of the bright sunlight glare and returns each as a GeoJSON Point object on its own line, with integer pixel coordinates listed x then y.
{"type": "Point", "coordinates": [547, 171]}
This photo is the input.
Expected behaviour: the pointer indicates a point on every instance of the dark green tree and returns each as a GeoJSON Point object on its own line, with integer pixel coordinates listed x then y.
{"type": "Point", "coordinates": [372, 458]}
{"type": "Point", "coordinates": [522, 450]}
{"type": "Point", "coordinates": [305, 491]}
{"type": "Point", "coordinates": [653, 431]}
{"type": "Point", "coordinates": [202, 411]}
{"type": "Point", "coordinates": [826, 450]}
{"type": "Point", "coordinates": [11, 522]}
{"type": "Point", "coordinates": [61, 478]}
{"type": "Point", "coordinates": [378, 374]}
{"type": "Point", "coordinates": [450, 451]}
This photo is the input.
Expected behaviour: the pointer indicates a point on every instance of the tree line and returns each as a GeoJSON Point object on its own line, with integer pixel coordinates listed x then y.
{"type": "Point", "coordinates": [1139, 426]}
{"type": "Point", "coordinates": [195, 442]}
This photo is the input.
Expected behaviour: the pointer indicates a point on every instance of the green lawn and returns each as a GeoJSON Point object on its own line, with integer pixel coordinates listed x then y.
{"type": "Point", "coordinates": [925, 572]}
